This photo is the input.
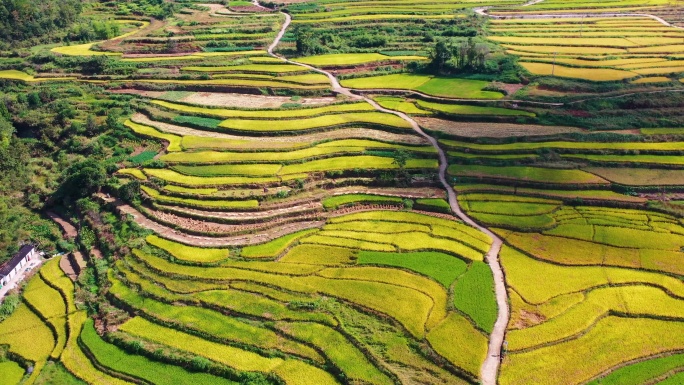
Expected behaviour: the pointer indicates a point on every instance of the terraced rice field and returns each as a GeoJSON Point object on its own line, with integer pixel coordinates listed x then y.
{"type": "Point", "coordinates": [281, 229]}
{"type": "Point", "coordinates": [583, 248]}
{"type": "Point", "coordinates": [591, 48]}
{"type": "Point", "coordinates": [292, 303]}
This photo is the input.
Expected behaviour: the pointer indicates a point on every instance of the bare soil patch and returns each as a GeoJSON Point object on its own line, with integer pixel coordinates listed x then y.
{"type": "Point", "coordinates": [625, 132]}
{"type": "Point", "coordinates": [527, 319]}
{"type": "Point", "coordinates": [68, 229]}
{"type": "Point", "coordinates": [250, 9]}
{"type": "Point", "coordinates": [491, 130]}
{"type": "Point", "coordinates": [509, 89]}
{"type": "Point", "coordinates": [217, 99]}
{"type": "Point", "coordinates": [67, 267]}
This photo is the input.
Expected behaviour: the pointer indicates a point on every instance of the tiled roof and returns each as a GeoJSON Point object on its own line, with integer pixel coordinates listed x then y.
{"type": "Point", "coordinates": [8, 266]}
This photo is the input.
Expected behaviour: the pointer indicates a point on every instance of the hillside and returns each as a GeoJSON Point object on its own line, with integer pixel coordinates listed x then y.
{"type": "Point", "coordinates": [343, 192]}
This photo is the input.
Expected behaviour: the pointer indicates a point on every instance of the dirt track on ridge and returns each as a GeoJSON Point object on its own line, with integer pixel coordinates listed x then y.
{"type": "Point", "coordinates": [490, 367]}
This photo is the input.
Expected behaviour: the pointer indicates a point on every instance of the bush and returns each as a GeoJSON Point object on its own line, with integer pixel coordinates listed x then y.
{"type": "Point", "coordinates": [408, 204]}
{"type": "Point", "coordinates": [9, 304]}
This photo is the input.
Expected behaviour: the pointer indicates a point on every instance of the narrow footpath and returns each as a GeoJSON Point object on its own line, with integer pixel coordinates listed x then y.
{"type": "Point", "coordinates": [490, 367]}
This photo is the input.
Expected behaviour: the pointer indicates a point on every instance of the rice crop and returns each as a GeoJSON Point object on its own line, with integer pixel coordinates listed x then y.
{"type": "Point", "coordinates": [474, 295]}
{"type": "Point", "coordinates": [188, 253]}
{"type": "Point", "coordinates": [441, 267]}
{"type": "Point", "coordinates": [275, 247]}
{"type": "Point", "coordinates": [460, 343]}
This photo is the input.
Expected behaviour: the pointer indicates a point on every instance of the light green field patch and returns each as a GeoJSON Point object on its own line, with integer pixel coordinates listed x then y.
{"type": "Point", "coordinates": [352, 58]}
{"type": "Point", "coordinates": [436, 86]}
{"type": "Point", "coordinates": [441, 267]}
{"type": "Point", "coordinates": [474, 295]}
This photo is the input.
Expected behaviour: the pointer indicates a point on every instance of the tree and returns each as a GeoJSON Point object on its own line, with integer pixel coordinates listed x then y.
{"type": "Point", "coordinates": [467, 55]}
{"type": "Point", "coordinates": [130, 191]}
{"type": "Point", "coordinates": [95, 65]}
{"type": "Point", "coordinates": [81, 180]}
{"type": "Point", "coordinates": [112, 121]}
{"type": "Point", "coordinates": [91, 125]}
{"type": "Point", "coordinates": [6, 131]}
{"type": "Point", "coordinates": [441, 55]}
{"type": "Point", "coordinates": [308, 42]}
{"type": "Point", "coordinates": [401, 157]}
{"type": "Point", "coordinates": [4, 113]}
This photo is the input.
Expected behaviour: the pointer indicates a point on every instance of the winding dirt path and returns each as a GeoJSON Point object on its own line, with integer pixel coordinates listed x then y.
{"type": "Point", "coordinates": [490, 367]}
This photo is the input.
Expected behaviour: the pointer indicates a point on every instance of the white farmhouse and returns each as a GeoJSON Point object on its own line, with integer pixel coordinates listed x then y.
{"type": "Point", "coordinates": [12, 267]}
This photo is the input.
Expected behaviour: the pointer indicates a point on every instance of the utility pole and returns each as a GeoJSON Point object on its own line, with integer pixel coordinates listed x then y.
{"type": "Point", "coordinates": [553, 68]}
{"type": "Point", "coordinates": [582, 26]}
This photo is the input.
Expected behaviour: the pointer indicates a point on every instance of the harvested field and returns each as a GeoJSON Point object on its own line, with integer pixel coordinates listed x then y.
{"type": "Point", "coordinates": [215, 99]}
{"type": "Point", "coordinates": [491, 130]}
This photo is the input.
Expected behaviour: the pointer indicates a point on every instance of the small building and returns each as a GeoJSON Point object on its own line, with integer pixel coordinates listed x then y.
{"type": "Point", "coordinates": [11, 268]}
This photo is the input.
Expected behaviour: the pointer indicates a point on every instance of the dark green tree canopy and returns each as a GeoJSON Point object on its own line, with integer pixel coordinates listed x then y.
{"type": "Point", "coordinates": [23, 20]}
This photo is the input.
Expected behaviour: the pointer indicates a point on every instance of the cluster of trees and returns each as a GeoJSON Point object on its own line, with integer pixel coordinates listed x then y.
{"type": "Point", "coordinates": [366, 38]}
{"type": "Point", "coordinates": [159, 9]}
{"type": "Point", "coordinates": [25, 22]}
{"type": "Point", "coordinates": [308, 42]}
{"type": "Point", "coordinates": [94, 30]}
{"type": "Point", "coordinates": [17, 222]}
{"type": "Point", "coordinates": [312, 42]}
{"type": "Point", "coordinates": [471, 56]}
{"type": "Point", "coordinates": [457, 56]}
{"type": "Point", "coordinates": [52, 153]}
